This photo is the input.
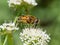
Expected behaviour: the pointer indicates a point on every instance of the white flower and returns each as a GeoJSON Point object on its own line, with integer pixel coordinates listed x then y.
{"type": "Point", "coordinates": [33, 2]}
{"type": "Point", "coordinates": [8, 26]}
{"type": "Point", "coordinates": [18, 2]}
{"type": "Point", "coordinates": [32, 36]}
{"type": "Point", "coordinates": [15, 2]}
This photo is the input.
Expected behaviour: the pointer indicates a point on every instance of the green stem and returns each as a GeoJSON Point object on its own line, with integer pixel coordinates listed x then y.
{"type": "Point", "coordinates": [0, 40]}
{"type": "Point", "coordinates": [1, 43]}
{"type": "Point", "coordinates": [5, 40]}
{"type": "Point", "coordinates": [10, 39]}
{"type": "Point", "coordinates": [15, 19]}
{"type": "Point", "coordinates": [27, 11]}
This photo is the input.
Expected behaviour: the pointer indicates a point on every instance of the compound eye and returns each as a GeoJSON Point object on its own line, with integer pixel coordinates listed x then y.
{"type": "Point", "coordinates": [36, 21]}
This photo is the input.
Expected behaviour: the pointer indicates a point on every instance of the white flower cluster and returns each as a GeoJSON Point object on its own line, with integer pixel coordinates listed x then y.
{"type": "Point", "coordinates": [32, 36]}
{"type": "Point", "coordinates": [8, 26]}
{"type": "Point", "coordinates": [33, 2]}
{"type": "Point", "coordinates": [18, 2]}
{"type": "Point", "coordinates": [15, 2]}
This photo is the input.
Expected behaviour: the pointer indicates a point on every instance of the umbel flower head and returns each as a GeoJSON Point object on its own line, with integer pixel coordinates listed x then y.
{"type": "Point", "coordinates": [19, 2]}
{"type": "Point", "coordinates": [8, 26]}
{"type": "Point", "coordinates": [32, 36]}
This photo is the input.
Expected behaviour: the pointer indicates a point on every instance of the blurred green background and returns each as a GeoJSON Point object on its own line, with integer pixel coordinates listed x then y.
{"type": "Point", "coordinates": [48, 11]}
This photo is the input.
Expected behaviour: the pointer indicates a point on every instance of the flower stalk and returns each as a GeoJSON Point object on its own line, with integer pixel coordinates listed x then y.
{"type": "Point", "coordinates": [5, 40]}
{"type": "Point", "coordinates": [10, 39]}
